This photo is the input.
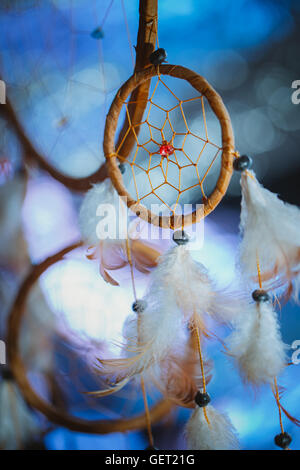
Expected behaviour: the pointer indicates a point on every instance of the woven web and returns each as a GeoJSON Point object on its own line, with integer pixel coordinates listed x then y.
{"type": "Point", "coordinates": [61, 76]}
{"type": "Point", "coordinates": [179, 177]}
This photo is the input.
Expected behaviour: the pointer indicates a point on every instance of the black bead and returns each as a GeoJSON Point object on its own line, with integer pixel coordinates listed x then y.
{"type": "Point", "coordinates": [139, 306]}
{"type": "Point", "coordinates": [180, 237]}
{"type": "Point", "coordinates": [283, 440]}
{"type": "Point", "coordinates": [202, 399]}
{"type": "Point", "coordinates": [6, 373]}
{"type": "Point", "coordinates": [260, 295]}
{"type": "Point", "coordinates": [242, 163]}
{"type": "Point", "coordinates": [122, 168]}
{"type": "Point", "coordinates": [158, 57]}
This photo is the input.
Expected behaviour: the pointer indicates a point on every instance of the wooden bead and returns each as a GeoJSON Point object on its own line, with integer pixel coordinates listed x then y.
{"type": "Point", "coordinates": [242, 163]}
{"type": "Point", "coordinates": [180, 237]}
{"type": "Point", "coordinates": [158, 57]}
{"type": "Point", "coordinates": [283, 440]}
{"type": "Point", "coordinates": [260, 295]}
{"type": "Point", "coordinates": [202, 399]}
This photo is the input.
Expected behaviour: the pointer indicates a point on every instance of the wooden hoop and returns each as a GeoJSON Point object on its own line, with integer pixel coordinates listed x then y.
{"type": "Point", "coordinates": [217, 105]}
{"type": "Point", "coordinates": [56, 415]}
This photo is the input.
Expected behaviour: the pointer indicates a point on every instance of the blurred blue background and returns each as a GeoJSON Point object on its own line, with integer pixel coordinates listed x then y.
{"type": "Point", "coordinates": [61, 81]}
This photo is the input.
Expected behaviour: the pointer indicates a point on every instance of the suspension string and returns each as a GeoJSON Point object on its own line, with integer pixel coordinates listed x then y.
{"type": "Point", "coordinates": [106, 14]}
{"type": "Point", "coordinates": [128, 33]}
{"type": "Point", "coordinates": [147, 412]}
{"type": "Point", "coordinates": [154, 26]}
{"type": "Point", "coordinates": [202, 370]}
{"type": "Point", "coordinates": [278, 404]}
{"type": "Point", "coordinates": [128, 251]}
{"type": "Point", "coordinates": [275, 378]}
{"type": "Point", "coordinates": [258, 271]}
{"type": "Point", "coordinates": [143, 387]}
{"type": "Point", "coordinates": [156, 31]}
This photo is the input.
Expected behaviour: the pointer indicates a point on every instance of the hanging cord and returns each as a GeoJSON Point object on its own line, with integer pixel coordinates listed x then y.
{"type": "Point", "coordinates": [277, 398]}
{"type": "Point", "coordinates": [128, 33]}
{"type": "Point", "coordinates": [258, 271]}
{"type": "Point", "coordinates": [128, 252]}
{"type": "Point", "coordinates": [146, 406]}
{"type": "Point", "coordinates": [196, 330]}
{"type": "Point", "coordinates": [277, 401]}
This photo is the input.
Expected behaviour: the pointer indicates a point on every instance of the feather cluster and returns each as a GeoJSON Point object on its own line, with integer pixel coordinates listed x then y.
{"type": "Point", "coordinates": [17, 424]}
{"type": "Point", "coordinates": [102, 196]}
{"type": "Point", "coordinates": [110, 248]}
{"type": "Point", "coordinates": [157, 341]}
{"type": "Point", "coordinates": [113, 256]}
{"type": "Point", "coordinates": [270, 230]}
{"type": "Point", "coordinates": [216, 434]}
{"type": "Point", "coordinates": [188, 281]}
{"type": "Point", "coordinates": [257, 346]}
{"type": "Point", "coordinates": [155, 345]}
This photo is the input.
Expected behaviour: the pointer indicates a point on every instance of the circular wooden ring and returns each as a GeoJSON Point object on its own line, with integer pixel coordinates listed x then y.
{"type": "Point", "coordinates": [218, 107]}
{"type": "Point", "coordinates": [18, 368]}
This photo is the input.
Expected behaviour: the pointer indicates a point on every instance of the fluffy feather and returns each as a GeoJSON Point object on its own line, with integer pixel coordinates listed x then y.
{"type": "Point", "coordinates": [113, 256]}
{"type": "Point", "coordinates": [148, 338]}
{"type": "Point", "coordinates": [112, 251]}
{"type": "Point", "coordinates": [158, 344]}
{"type": "Point", "coordinates": [270, 232]}
{"type": "Point", "coordinates": [219, 434]}
{"type": "Point", "coordinates": [257, 345]}
{"type": "Point", "coordinates": [188, 282]}
{"type": "Point", "coordinates": [17, 424]}
{"type": "Point", "coordinates": [105, 194]}
{"type": "Point", "coordinates": [179, 376]}
{"type": "Point", "coordinates": [180, 295]}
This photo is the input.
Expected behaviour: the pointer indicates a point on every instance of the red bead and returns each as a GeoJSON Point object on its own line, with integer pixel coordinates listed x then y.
{"type": "Point", "coordinates": [166, 149]}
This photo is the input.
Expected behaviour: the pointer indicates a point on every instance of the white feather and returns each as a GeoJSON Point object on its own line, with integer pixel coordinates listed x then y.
{"type": "Point", "coordinates": [113, 211]}
{"type": "Point", "coordinates": [149, 338]}
{"type": "Point", "coordinates": [219, 434]}
{"type": "Point", "coordinates": [257, 345]}
{"type": "Point", "coordinates": [270, 230]}
{"type": "Point", "coordinates": [17, 424]}
{"type": "Point", "coordinates": [180, 294]}
{"type": "Point", "coordinates": [189, 283]}
{"type": "Point", "coordinates": [160, 330]}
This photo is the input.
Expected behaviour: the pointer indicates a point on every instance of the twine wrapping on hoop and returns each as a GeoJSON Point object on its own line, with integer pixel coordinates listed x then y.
{"type": "Point", "coordinates": [218, 107]}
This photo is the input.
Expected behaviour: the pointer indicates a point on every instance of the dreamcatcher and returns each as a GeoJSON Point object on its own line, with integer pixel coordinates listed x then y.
{"type": "Point", "coordinates": [36, 153]}
{"type": "Point", "coordinates": [165, 338]}
{"type": "Point", "coordinates": [173, 314]}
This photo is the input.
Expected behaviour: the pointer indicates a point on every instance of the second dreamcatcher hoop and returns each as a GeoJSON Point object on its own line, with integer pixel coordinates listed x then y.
{"type": "Point", "coordinates": [53, 413]}
{"type": "Point", "coordinates": [167, 148]}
